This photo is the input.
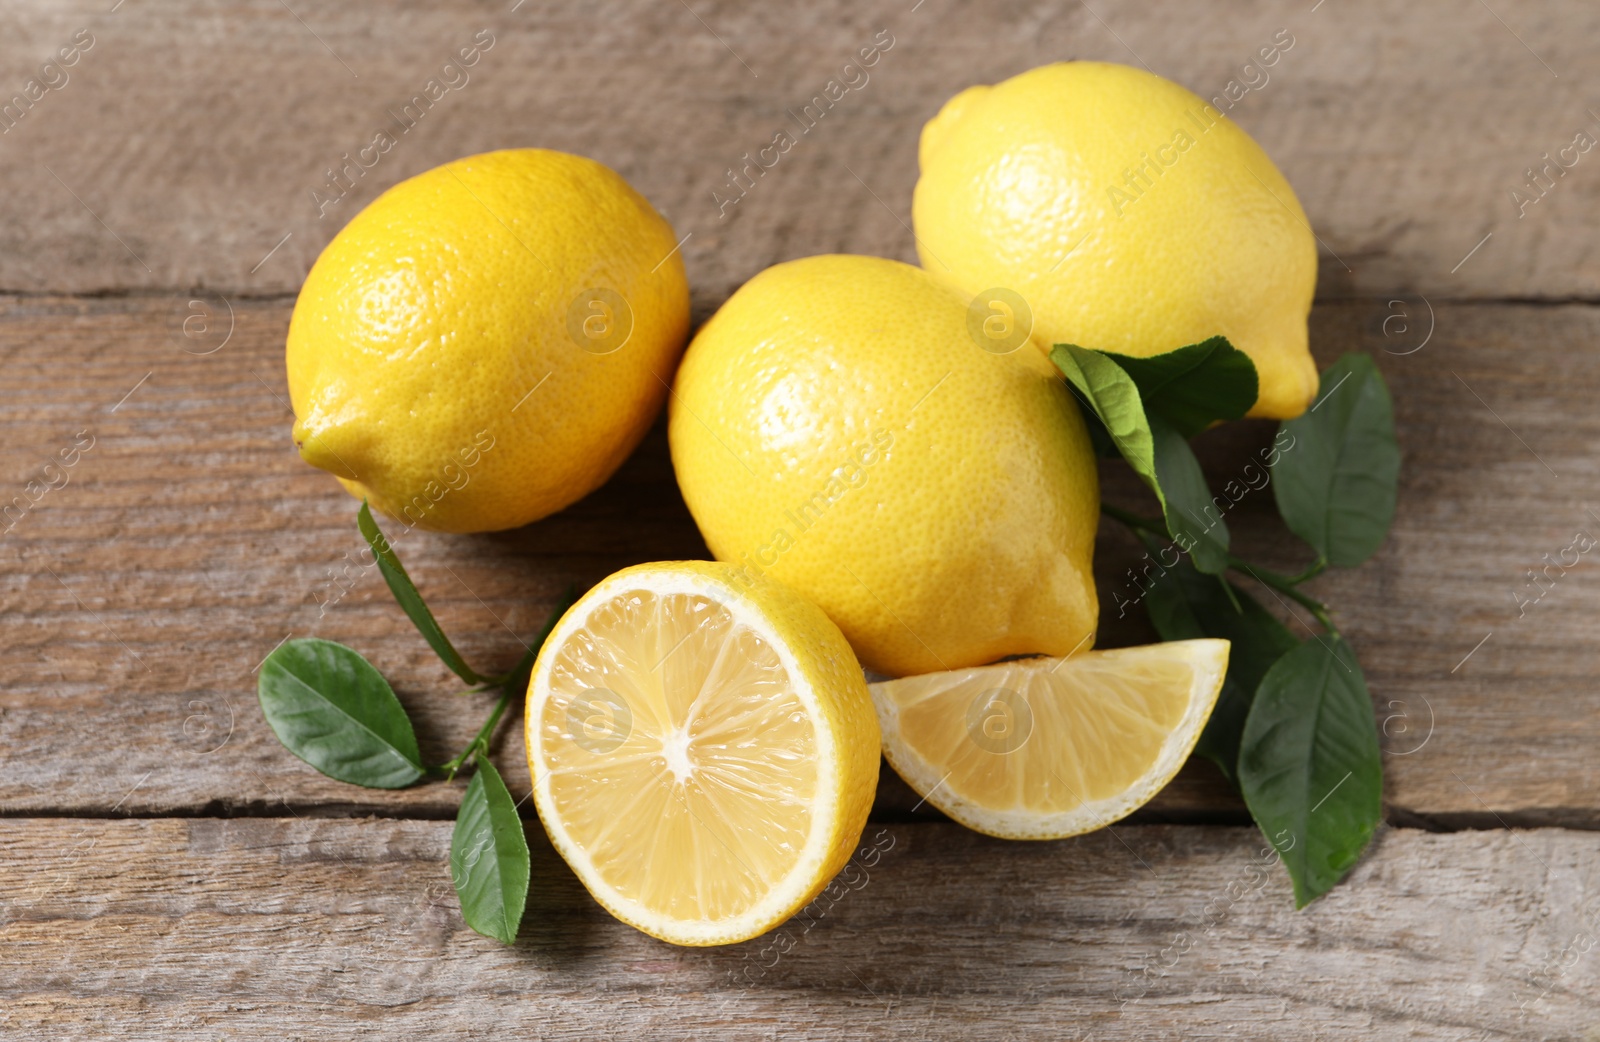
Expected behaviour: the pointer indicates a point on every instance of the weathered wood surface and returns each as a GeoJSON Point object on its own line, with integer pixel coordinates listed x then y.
{"type": "Point", "coordinates": [182, 149]}
{"type": "Point", "coordinates": [207, 929]}
{"type": "Point", "coordinates": [188, 139]}
{"type": "Point", "coordinates": [190, 540]}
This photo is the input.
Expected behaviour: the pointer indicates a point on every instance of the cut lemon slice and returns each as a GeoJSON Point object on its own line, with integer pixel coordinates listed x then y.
{"type": "Point", "coordinates": [703, 749]}
{"type": "Point", "coordinates": [1047, 747]}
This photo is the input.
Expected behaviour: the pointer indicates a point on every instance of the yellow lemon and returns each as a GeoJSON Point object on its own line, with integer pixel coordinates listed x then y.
{"type": "Point", "coordinates": [1129, 215]}
{"type": "Point", "coordinates": [849, 426]}
{"type": "Point", "coordinates": [1046, 748]}
{"type": "Point", "coordinates": [703, 749]}
{"type": "Point", "coordinates": [486, 342]}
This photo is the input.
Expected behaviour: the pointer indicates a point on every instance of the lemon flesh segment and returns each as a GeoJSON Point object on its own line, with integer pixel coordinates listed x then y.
{"type": "Point", "coordinates": [1048, 747]}
{"type": "Point", "coordinates": [686, 761]}
{"type": "Point", "coordinates": [729, 813]}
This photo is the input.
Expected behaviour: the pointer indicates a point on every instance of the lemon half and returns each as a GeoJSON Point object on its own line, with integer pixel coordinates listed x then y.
{"type": "Point", "coordinates": [703, 749]}
{"type": "Point", "coordinates": [1050, 747]}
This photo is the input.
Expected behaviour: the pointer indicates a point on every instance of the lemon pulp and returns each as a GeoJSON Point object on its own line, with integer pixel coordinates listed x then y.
{"type": "Point", "coordinates": [1050, 747]}
{"type": "Point", "coordinates": [703, 749]}
{"type": "Point", "coordinates": [718, 806]}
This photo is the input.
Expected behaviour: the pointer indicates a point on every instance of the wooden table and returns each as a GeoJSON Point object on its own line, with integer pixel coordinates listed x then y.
{"type": "Point", "coordinates": [167, 870]}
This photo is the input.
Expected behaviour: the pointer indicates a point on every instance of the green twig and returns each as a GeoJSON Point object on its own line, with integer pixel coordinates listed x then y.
{"type": "Point", "coordinates": [510, 684]}
{"type": "Point", "coordinates": [1315, 569]}
{"type": "Point", "coordinates": [517, 676]}
{"type": "Point", "coordinates": [1233, 598]}
{"type": "Point", "coordinates": [1285, 584]}
{"type": "Point", "coordinates": [481, 742]}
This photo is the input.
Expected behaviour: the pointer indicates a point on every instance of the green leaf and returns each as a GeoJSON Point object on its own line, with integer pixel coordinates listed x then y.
{"type": "Point", "coordinates": [405, 591]}
{"type": "Point", "coordinates": [1099, 438]}
{"type": "Point", "coordinates": [1335, 483]}
{"type": "Point", "coordinates": [1113, 398]}
{"type": "Point", "coordinates": [1158, 451]}
{"type": "Point", "coordinates": [1194, 386]}
{"type": "Point", "coordinates": [489, 857]}
{"type": "Point", "coordinates": [1309, 765]}
{"type": "Point", "coordinates": [331, 708]}
{"type": "Point", "coordinates": [1183, 604]}
{"type": "Point", "coordinates": [1193, 520]}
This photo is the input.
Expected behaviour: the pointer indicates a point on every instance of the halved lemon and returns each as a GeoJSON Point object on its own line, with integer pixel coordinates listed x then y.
{"type": "Point", "coordinates": [703, 749]}
{"type": "Point", "coordinates": [1044, 748]}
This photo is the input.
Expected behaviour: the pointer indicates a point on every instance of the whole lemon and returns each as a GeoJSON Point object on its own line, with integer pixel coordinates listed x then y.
{"type": "Point", "coordinates": [838, 425]}
{"type": "Point", "coordinates": [486, 342]}
{"type": "Point", "coordinates": [1127, 213]}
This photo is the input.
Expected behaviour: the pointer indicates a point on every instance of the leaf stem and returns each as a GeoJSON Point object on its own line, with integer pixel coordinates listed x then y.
{"type": "Point", "coordinates": [1315, 569]}
{"type": "Point", "coordinates": [510, 684]}
{"type": "Point", "coordinates": [480, 744]}
{"type": "Point", "coordinates": [1285, 584]}
{"type": "Point", "coordinates": [1233, 598]}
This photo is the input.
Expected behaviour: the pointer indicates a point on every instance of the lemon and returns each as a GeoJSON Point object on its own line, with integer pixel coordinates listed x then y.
{"type": "Point", "coordinates": [1046, 748]}
{"type": "Point", "coordinates": [703, 749]}
{"type": "Point", "coordinates": [1129, 215]}
{"type": "Point", "coordinates": [839, 426]}
{"type": "Point", "coordinates": [486, 342]}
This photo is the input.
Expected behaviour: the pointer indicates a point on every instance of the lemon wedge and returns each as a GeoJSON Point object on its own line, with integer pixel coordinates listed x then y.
{"type": "Point", "coordinates": [703, 749]}
{"type": "Point", "coordinates": [1044, 748]}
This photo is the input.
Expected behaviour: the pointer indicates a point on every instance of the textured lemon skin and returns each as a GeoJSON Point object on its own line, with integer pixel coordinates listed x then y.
{"type": "Point", "coordinates": [428, 320]}
{"type": "Point", "coordinates": [834, 425]}
{"type": "Point", "coordinates": [1021, 186]}
{"type": "Point", "coordinates": [849, 741]}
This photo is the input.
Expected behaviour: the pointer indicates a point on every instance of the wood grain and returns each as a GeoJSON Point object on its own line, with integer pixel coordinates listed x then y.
{"type": "Point", "coordinates": [291, 929]}
{"type": "Point", "coordinates": [187, 141]}
{"type": "Point", "coordinates": [190, 540]}
{"type": "Point", "coordinates": [168, 189]}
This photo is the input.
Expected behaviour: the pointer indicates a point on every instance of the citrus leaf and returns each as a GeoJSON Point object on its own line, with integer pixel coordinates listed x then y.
{"type": "Point", "coordinates": [1194, 386]}
{"type": "Point", "coordinates": [1193, 520]}
{"type": "Point", "coordinates": [405, 592]}
{"type": "Point", "coordinates": [1099, 437]}
{"type": "Point", "coordinates": [331, 708]}
{"type": "Point", "coordinates": [1335, 486]}
{"type": "Point", "coordinates": [489, 857]}
{"type": "Point", "coordinates": [1155, 449]}
{"type": "Point", "coordinates": [1309, 765]}
{"type": "Point", "coordinates": [1184, 604]}
{"type": "Point", "coordinates": [1113, 398]}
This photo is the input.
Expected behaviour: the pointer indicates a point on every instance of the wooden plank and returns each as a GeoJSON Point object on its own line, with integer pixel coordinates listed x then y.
{"type": "Point", "coordinates": [184, 145]}
{"type": "Point", "coordinates": [190, 540]}
{"type": "Point", "coordinates": [294, 928]}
